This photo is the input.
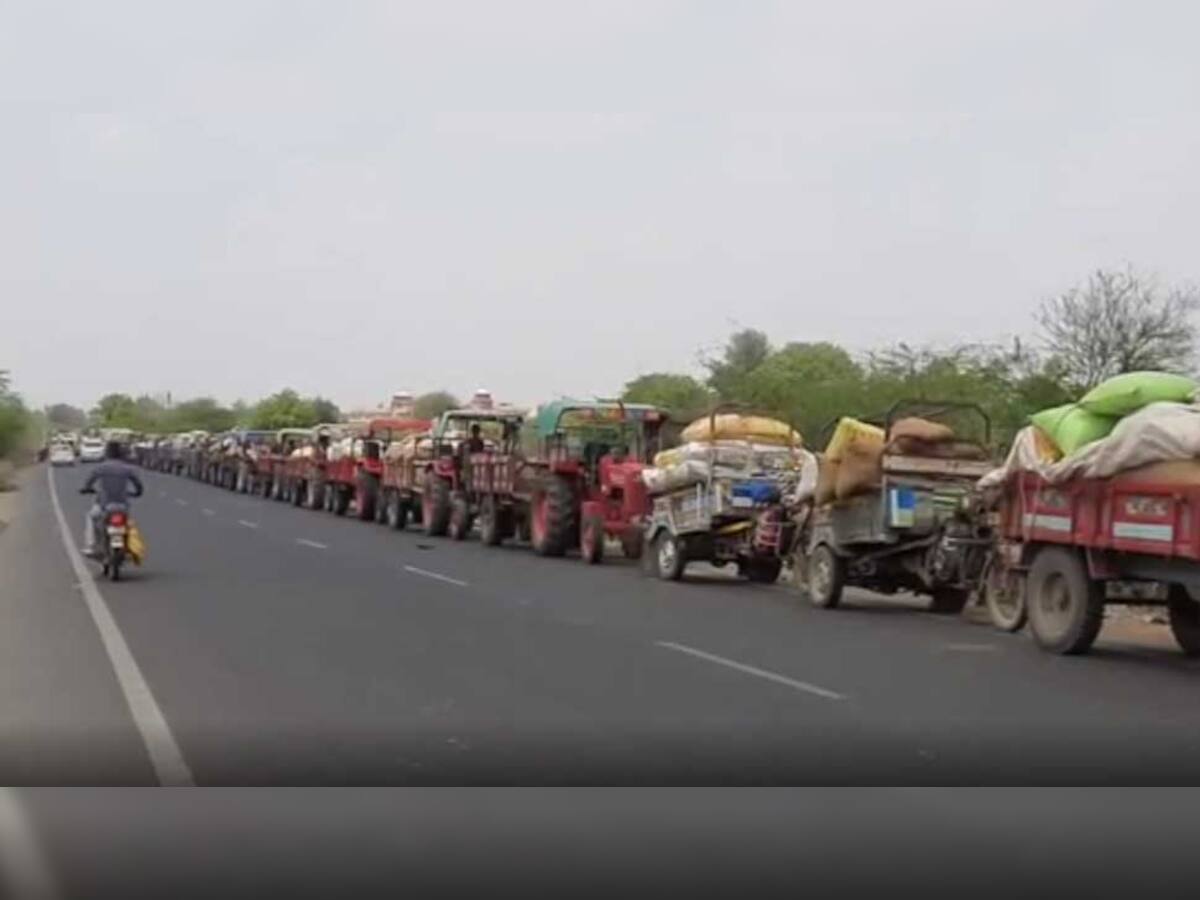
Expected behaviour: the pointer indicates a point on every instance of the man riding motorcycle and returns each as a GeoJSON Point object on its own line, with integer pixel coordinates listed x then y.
{"type": "Point", "coordinates": [113, 477]}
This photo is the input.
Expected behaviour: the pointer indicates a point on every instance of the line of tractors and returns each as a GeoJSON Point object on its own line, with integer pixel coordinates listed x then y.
{"type": "Point", "coordinates": [569, 478]}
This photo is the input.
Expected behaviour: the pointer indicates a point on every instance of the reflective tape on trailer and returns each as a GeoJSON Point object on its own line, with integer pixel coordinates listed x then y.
{"type": "Point", "coordinates": [1050, 523]}
{"type": "Point", "coordinates": [1143, 531]}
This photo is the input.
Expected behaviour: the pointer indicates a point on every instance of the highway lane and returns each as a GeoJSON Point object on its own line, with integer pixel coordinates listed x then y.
{"type": "Point", "coordinates": [288, 646]}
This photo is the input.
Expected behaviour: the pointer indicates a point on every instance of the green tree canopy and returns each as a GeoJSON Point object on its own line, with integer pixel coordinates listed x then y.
{"type": "Point", "coordinates": [199, 414]}
{"type": "Point", "coordinates": [745, 351]}
{"type": "Point", "coordinates": [65, 417]}
{"type": "Point", "coordinates": [286, 409]}
{"type": "Point", "coordinates": [325, 410]}
{"type": "Point", "coordinates": [15, 420]}
{"type": "Point", "coordinates": [681, 395]}
{"type": "Point", "coordinates": [433, 404]}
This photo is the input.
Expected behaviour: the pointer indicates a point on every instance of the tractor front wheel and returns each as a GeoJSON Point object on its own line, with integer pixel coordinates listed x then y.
{"type": "Point", "coordinates": [366, 495]}
{"type": "Point", "coordinates": [490, 532]}
{"type": "Point", "coordinates": [460, 519]}
{"type": "Point", "coordinates": [555, 518]}
{"type": "Point", "coordinates": [435, 505]}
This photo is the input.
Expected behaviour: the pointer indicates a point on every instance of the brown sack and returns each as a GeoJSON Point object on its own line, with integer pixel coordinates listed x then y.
{"type": "Point", "coordinates": [1172, 471]}
{"type": "Point", "coordinates": [827, 471]}
{"type": "Point", "coordinates": [858, 473]}
{"type": "Point", "coordinates": [921, 430]}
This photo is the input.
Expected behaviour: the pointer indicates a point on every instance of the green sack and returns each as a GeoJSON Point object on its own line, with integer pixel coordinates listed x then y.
{"type": "Point", "coordinates": [1072, 426]}
{"type": "Point", "coordinates": [1125, 394]}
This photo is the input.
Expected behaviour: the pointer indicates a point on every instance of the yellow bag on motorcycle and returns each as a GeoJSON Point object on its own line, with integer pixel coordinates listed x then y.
{"type": "Point", "coordinates": [135, 544]}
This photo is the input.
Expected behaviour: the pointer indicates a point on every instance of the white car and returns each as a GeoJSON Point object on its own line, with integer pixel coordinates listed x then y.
{"type": "Point", "coordinates": [91, 450]}
{"type": "Point", "coordinates": [62, 455]}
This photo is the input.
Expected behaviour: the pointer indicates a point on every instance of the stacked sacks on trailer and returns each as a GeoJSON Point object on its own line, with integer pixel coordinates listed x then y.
{"type": "Point", "coordinates": [1142, 425]}
{"type": "Point", "coordinates": [727, 447]}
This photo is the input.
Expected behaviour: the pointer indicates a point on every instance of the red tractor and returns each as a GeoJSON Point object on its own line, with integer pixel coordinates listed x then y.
{"type": "Point", "coordinates": [580, 480]}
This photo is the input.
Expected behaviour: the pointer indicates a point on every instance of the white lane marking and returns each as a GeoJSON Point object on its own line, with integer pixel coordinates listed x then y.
{"type": "Point", "coordinates": [753, 670]}
{"type": "Point", "coordinates": [247, 524]}
{"type": "Point", "coordinates": [436, 576]}
{"type": "Point", "coordinates": [181, 501]}
{"type": "Point", "coordinates": [165, 756]}
{"type": "Point", "coordinates": [23, 867]}
{"type": "Point", "coordinates": [307, 543]}
{"type": "Point", "coordinates": [208, 512]}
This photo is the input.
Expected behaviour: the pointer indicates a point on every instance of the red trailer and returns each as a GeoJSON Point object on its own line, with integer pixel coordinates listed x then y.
{"type": "Point", "coordinates": [360, 477]}
{"type": "Point", "coordinates": [1065, 550]}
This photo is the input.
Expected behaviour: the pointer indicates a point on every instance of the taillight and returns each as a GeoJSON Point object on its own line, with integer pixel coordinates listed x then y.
{"type": "Point", "coordinates": [117, 519]}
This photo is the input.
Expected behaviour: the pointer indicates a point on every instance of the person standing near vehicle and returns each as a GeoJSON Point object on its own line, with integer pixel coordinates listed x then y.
{"type": "Point", "coordinates": [110, 482]}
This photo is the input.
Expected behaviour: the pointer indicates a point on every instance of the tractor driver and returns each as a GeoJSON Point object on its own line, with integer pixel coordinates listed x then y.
{"type": "Point", "coordinates": [474, 443]}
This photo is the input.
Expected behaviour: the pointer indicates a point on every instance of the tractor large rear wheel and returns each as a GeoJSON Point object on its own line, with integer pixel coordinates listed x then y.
{"type": "Point", "coordinates": [435, 505]}
{"type": "Point", "coordinates": [555, 518]}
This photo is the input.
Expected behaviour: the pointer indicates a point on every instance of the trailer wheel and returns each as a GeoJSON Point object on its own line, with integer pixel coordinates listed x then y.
{"type": "Point", "coordinates": [820, 575]}
{"type": "Point", "coordinates": [460, 519]}
{"type": "Point", "coordinates": [1184, 613]}
{"type": "Point", "coordinates": [341, 500]}
{"type": "Point", "coordinates": [490, 532]}
{"type": "Point", "coordinates": [366, 495]}
{"type": "Point", "coordinates": [633, 542]}
{"type": "Point", "coordinates": [1066, 608]}
{"type": "Point", "coordinates": [670, 556]}
{"type": "Point", "coordinates": [948, 601]}
{"type": "Point", "coordinates": [591, 540]}
{"type": "Point", "coordinates": [435, 505]}
{"type": "Point", "coordinates": [381, 509]}
{"type": "Point", "coordinates": [1004, 595]}
{"type": "Point", "coordinates": [764, 571]}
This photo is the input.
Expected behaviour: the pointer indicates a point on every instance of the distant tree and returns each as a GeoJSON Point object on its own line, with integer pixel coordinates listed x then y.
{"type": "Point", "coordinates": [286, 409]}
{"type": "Point", "coordinates": [807, 384]}
{"type": "Point", "coordinates": [681, 395]}
{"type": "Point", "coordinates": [115, 411]}
{"type": "Point", "coordinates": [744, 352]}
{"type": "Point", "coordinates": [325, 410]}
{"type": "Point", "coordinates": [15, 420]}
{"type": "Point", "coordinates": [433, 404]}
{"type": "Point", "coordinates": [66, 417]}
{"type": "Point", "coordinates": [1120, 321]}
{"type": "Point", "coordinates": [199, 414]}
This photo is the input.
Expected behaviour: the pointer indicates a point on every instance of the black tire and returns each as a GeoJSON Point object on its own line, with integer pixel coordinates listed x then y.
{"type": "Point", "coordinates": [314, 495]}
{"type": "Point", "coordinates": [1184, 615]}
{"type": "Point", "coordinates": [437, 498]}
{"type": "Point", "coordinates": [395, 511]}
{"type": "Point", "coordinates": [560, 518]}
{"type": "Point", "coordinates": [821, 576]}
{"type": "Point", "coordinates": [341, 500]}
{"type": "Point", "coordinates": [490, 532]}
{"type": "Point", "coordinates": [670, 556]}
{"type": "Point", "coordinates": [297, 492]}
{"type": "Point", "coordinates": [366, 496]}
{"type": "Point", "coordinates": [459, 525]}
{"type": "Point", "coordinates": [327, 498]}
{"type": "Point", "coordinates": [1004, 596]}
{"type": "Point", "coordinates": [114, 566]}
{"type": "Point", "coordinates": [764, 571]}
{"type": "Point", "coordinates": [1066, 608]}
{"type": "Point", "coordinates": [948, 601]}
{"type": "Point", "coordinates": [591, 540]}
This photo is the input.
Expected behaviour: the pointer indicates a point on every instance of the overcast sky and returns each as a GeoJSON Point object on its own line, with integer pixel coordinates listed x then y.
{"type": "Point", "coordinates": [351, 198]}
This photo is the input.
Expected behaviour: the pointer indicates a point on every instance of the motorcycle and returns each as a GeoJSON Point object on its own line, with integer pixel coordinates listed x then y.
{"type": "Point", "coordinates": [113, 538]}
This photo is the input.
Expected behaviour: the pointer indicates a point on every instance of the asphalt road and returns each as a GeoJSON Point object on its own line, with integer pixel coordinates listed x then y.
{"type": "Point", "coordinates": [283, 646]}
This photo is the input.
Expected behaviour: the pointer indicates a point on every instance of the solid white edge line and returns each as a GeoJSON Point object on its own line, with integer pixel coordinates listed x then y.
{"type": "Point", "coordinates": [436, 576]}
{"type": "Point", "coordinates": [23, 868]}
{"type": "Point", "coordinates": [753, 670]}
{"type": "Point", "coordinates": [165, 755]}
{"type": "Point", "coordinates": [307, 543]}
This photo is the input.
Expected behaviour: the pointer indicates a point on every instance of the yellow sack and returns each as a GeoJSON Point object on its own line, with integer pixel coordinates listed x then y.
{"type": "Point", "coordinates": [854, 437]}
{"type": "Point", "coordinates": [136, 544]}
{"type": "Point", "coordinates": [731, 426]}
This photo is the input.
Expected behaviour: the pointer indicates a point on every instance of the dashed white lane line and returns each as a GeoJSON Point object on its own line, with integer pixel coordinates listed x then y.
{"type": "Point", "coordinates": [246, 524]}
{"type": "Point", "coordinates": [165, 755]}
{"type": "Point", "coordinates": [181, 501]}
{"type": "Point", "coordinates": [753, 670]}
{"type": "Point", "coordinates": [208, 512]}
{"type": "Point", "coordinates": [437, 576]}
{"type": "Point", "coordinates": [315, 544]}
